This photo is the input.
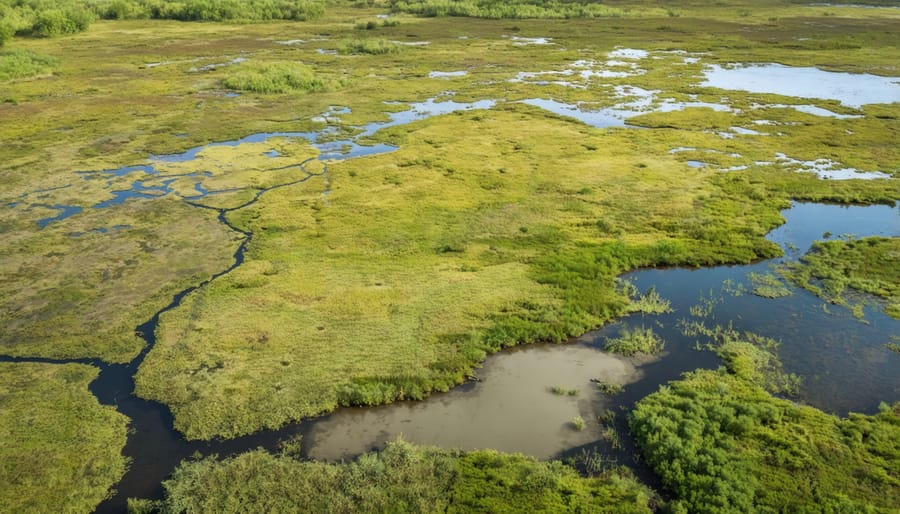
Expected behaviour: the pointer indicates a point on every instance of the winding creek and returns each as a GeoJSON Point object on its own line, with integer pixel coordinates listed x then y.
{"type": "Point", "coordinates": [841, 358]}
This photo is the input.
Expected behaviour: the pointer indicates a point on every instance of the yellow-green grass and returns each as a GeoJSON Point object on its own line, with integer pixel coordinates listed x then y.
{"type": "Point", "coordinates": [61, 451]}
{"type": "Point", "coordinates": [869, 265]}
{"type": "Point", "coordinates": [401, 478]}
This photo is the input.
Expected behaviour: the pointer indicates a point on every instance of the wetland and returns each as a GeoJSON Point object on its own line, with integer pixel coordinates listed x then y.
{"type": "Point", "coordinates": [523, 263]}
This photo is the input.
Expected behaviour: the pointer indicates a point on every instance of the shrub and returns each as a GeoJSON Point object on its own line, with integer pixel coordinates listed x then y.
{"type": "Point", "coordinates": [278, 77]}
{"type": "Point", "coordinates": [17, 64]}
{"type": "Point", "coordinates": [370, 46]}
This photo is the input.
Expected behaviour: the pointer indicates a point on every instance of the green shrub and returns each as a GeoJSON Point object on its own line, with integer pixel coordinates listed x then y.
{"type": "Point", "coordinates": [17, 64]}
{"type": "Point", "coordinates": [277, 77]}
{"type": "Point", "coordinates": [722, 444]}
{"type": "Point", "coordinates": [369, 46]}
{"type": "Point", "coordinates": [400, 478]}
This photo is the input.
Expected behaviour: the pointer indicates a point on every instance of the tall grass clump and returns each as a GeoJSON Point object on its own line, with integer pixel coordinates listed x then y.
{"type": "Point", "coordinates": [635, 340]}
{"type": "Point", "coordinates": [17, 64]}
{"type": "Point", "coordinates": [369, 46]}
{"type": "Point", "coordinates": [277, 77]}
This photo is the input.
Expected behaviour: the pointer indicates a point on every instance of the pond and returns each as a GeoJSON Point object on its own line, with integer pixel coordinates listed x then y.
{"type": "Point", "coordinates": [851, 89]}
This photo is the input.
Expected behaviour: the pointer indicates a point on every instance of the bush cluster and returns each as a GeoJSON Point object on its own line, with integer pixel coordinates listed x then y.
{"type": "Point", "coordinates": [401, 478]}
{"type": "Point", "coordinates": [48, 18]}
{"type": "Point", "coordinates": [275, 77]}
{"type": "Point", "coordinates": [512, 9]}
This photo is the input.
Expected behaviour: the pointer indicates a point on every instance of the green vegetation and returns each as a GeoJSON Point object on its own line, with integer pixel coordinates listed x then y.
{"type": "Point", "coordinates": [578, 423]}
{"type": "Point", "coordinates": [868, 265]}
{"type": "Point", "coordinates": [61, 451]}
{"type": "Point", "coordinates": [648, 303]}
{"type": "Point", "coordinates": [633, 340]}
{"type": "Point", "coordinates": [275, 77]}
{"type": "Point", "coordinates": [41, 18]}
{"type": "Point", "coordinates": [721, 443]}
{"type": "Point", "coordinates": [747, 355]}
{"type": "Point", "coordinates": [497, 9]}
{"type": "Point", "coordinates": [608, 388]}
{"type": "Point", "coordinates": [401, 478]}
{"type": "Point", "coordinates": [370, 46]}
{"type": "Point", "coordinates": [19, 64]}
{"type": "Point", "coordinates": [564, 391]}
{"type": "Point", "coordinates": [768, 285]}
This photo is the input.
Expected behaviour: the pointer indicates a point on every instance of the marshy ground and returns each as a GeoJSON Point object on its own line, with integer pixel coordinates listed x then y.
{"type": "Point", "coordinates": [466, 185]}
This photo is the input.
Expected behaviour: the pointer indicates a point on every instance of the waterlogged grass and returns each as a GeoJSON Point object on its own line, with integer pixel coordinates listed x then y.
{"type": "Point", "coordinates": [868, 265]}
{"type": "Point", "coordinates": [634, 340]}
{"type": "Point", "coordinates": [747, 355]}
{"type": "Point", "coordinates": [564, 391]}
{"type": "Point", "coordinates": [768, 285]}
{"type": "Point", "coordinates": [275, 77]}
{"type": "Point", "coordinates": [400, 478]}
{"type": "Point", "coordinates": [721, 443]}
{"type": "Point", "coordinates": [61, 451]}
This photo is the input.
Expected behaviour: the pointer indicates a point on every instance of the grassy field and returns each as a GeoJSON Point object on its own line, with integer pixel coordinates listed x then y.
{"type": "Point", "coordinates": [61, 451]}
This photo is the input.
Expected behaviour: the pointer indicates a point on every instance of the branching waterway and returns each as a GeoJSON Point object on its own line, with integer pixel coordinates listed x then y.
{"type": "Point", "coordinates": [512, 406]}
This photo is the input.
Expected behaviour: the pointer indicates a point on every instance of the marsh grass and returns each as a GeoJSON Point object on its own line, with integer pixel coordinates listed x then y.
{"type": "Point", "coordinates": [578, 423]}
{"type": "Point", "coordinates": [62, 450]}
{"type": "Point", "coordinates": [564, 391]}
{"type": "Point", "coordinates": [275, 77]}
{"type": "Point", "coordinates": [866, 265]}
{"type": "Point", "coordinates": [650, 302]}
{"type": "Point", "coordinates": [608, 388]}
{"type": "Point", "coordinates": [370, 47]}
{"type": "Point", "coordinates": [768, 285]}
{"type": "Point", "coordinates": [634, 340]}
{"type": "Point", "coordinates": [747, 355]}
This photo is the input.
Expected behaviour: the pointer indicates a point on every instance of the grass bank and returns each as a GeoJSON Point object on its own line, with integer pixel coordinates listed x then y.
{"type": "Point", "coordinates": [61, 451]}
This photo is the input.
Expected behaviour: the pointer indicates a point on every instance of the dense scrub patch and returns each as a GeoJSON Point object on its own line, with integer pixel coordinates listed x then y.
{"type": "Point", "coordinates": [40, 18]}
{"type": "Point", "coordinates": [401, 478]}
{"type": "Point", "coordinates": [869, 265]}
{"type": "Point", "coordinates": [509, 8]}
{"type": "Point", "coordinates": [61, 451]}
{"type": "Point", "coordinates": [370, 46]}
{"type": "Point", "coordinates": [275, 77]}
{"type": "Point", "coordinates": [721, 443]}
{"type": "Point", "coordinates": [19, 64]}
